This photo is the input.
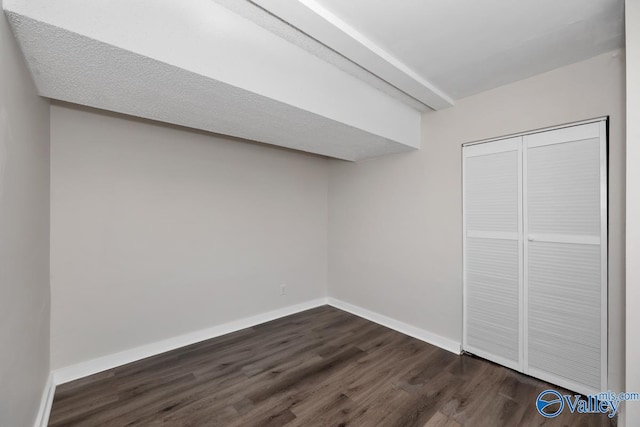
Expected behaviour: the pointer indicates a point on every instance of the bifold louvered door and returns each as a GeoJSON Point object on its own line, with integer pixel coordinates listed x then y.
{"type": "Point", "coordinates": [535, 254]}
{"type": "Point", "coordinates": [493, 250]}
{"type": "Point", "coordinates": [566, 256]}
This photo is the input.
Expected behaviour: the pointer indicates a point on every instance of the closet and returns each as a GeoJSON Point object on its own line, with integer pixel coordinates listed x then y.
{"type": "Point", "coordinates": [535, 254]}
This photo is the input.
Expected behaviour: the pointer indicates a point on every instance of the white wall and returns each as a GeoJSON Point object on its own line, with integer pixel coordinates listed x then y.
{"type": "Point", "coordinates": [633, 207]}
{"type": "Point", "coordinates": [395, 239]}
{"type": "Point", "coordinates": [158, 231]}
{"type": "Point", "coordinates": [24, 238]}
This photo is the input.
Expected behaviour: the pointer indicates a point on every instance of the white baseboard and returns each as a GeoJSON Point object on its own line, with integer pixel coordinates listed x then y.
{"type": "Point", "coordinates": [90, 367]}
{"type": "Point", "coordinates": [42, 419]}
{"type": "Point", "coordinates": [426, 336]}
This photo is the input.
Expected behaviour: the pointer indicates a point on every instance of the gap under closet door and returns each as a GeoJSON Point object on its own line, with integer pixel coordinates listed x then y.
{"type": "Point", "coordinates": [492, 198]}
{"type": "Point", "coordinates": [565, 274]}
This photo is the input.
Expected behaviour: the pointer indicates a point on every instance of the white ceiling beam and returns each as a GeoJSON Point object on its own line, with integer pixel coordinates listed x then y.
{"type": "Point", "coordinates": [317, 22]}
{"type": "Point", "coordinates": [198, 64]}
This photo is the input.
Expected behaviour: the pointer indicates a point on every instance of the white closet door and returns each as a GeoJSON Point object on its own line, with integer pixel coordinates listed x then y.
{"type": "Point", "coordinates": [565, 256]}
{"type": "Point", "coordinates": [492, 251]}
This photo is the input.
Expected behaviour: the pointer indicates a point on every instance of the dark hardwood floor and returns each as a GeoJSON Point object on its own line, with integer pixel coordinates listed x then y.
{"type": "Point", "coordinates": [322, 367]}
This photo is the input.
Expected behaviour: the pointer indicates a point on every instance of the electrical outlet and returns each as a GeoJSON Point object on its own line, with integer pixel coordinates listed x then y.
{"type": "Point", "coordinates": [283, 289]}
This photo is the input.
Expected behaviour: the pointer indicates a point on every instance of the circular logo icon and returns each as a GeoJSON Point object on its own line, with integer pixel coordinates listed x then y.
{"type": "Point", "coordinates": [549, 403]}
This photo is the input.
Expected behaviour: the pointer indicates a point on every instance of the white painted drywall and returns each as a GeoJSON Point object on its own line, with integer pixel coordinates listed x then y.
{"type": "Point", "coordinates": [395, 235]}
{"type": "Point", "coordinates": [158, 231]}
{"type": "Point", "coordinates": [24, 238]}
{"type": "Point", "coordinates": [632, 412]}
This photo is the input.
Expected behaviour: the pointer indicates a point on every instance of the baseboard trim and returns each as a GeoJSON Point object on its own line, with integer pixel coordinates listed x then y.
{"type": "Point", "coordinates": [90, 367]}
{"type": "Point", "coordinates": [426, 336]}
{"type": "Point", "coordinates": [42, 419]}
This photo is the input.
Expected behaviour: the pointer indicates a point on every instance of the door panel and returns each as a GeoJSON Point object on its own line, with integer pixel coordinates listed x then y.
{"type": "Point", "coordinates": [493, 251]}
{"type": "Point", "coordinates": [565, 261]}
{"type": "Point", "coordinates": [493, 297]}
{"type": "Point", "coordinates": [491, 183]}
{"type": "Point", "coordinates": [563, 188]}
{"type": "Point", "coordinates": [564, 311]}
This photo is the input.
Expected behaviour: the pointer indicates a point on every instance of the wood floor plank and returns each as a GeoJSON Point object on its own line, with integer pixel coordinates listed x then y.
{"type": "Point", "coordinates": [321, 367]}
{"type": "Point", "coordinates": [441, 420]}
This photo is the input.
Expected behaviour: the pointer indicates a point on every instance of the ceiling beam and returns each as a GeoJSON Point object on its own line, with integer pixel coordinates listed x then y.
{"type": "Point", "coordinates": [317, 22]}
{"type": "Point", "coordinates": [198, 64]}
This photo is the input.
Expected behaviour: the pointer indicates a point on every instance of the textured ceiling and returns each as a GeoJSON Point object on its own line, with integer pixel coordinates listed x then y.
{"type": "Point", "coordinates": [198, 64]}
